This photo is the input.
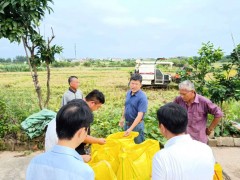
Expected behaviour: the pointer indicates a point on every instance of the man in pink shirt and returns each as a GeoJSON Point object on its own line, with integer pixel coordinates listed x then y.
{"type": "Point", "coordinates": [198, 108]}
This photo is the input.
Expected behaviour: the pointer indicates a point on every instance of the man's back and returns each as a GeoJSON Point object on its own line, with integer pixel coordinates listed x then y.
{"type": "Point", "coordinates": [51, 138]}
{"type": "Point", "coordinates": [59, 163]}
{"type": "Point", "coordinates": [183, 158]}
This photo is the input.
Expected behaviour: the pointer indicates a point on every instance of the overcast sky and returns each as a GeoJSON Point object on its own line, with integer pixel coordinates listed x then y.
{"type": "Point", "coordinates": [138, 28]}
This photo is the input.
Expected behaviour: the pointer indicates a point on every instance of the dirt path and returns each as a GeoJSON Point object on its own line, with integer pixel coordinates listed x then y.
{"type": "Point", "coordinates": [229, 159]}
{"type": "Point", "coordinates": [13, 165]}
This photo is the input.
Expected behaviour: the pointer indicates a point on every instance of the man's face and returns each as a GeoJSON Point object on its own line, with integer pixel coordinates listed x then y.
{"type": "Point", "coordinates": [94, 105]}
{"type": "Point", "coordinates": [135, 86]}
{"type": "Point", "coordinates": [83, 134]}
{"type": "Point", "coordinates": [162, 130]}
{"type": "Point", "coordinates": [74, 83]}
{"type": "Point", "coordinates": [186, 94]}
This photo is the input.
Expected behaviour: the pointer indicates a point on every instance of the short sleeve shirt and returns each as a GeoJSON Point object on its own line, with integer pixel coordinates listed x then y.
{"type": "Point", "coordinates": [134, 104]}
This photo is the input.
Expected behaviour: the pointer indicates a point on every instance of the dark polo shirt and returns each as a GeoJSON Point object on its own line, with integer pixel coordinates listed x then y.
{"type": "Point", "coordinates": [134, 104]}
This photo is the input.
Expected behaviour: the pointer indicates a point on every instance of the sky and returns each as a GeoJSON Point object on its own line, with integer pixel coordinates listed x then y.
{"type": "Point", "coordinates": [137, 28]}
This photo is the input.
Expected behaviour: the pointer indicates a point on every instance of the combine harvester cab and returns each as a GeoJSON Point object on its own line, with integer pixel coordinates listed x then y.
{"type": "Point", "coordinates": [151, 74]}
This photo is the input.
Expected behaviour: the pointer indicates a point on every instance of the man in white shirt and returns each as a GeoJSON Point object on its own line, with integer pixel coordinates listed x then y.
{"type": "Point", "coordinates": [182, 157]}
{"type": "Point", "coordinates": [94, 100]}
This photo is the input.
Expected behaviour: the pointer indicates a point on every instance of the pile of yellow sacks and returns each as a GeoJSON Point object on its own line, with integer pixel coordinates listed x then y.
{"type": "Point", "coordinates": [121, 159]}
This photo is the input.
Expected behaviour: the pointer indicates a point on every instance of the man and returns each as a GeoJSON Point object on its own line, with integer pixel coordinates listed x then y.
{"type": "Point", "coordinates": [135, 107]}
{"type": "Point", "coordinates": [198, 108]}
{"type": "Point", "coordinates": [182, 157]}
{"type": "Point", "coordinates": [63, 162]}
{"type": "Point", "coordinates": [72, 92]}
{"type": "Point", "coordinates": [94, 100]}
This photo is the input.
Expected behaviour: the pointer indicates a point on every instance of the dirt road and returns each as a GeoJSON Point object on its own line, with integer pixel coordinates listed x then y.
{"type": "Point", "coordinates": [13, 165]}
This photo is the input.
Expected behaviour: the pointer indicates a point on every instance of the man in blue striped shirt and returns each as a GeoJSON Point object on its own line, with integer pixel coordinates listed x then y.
{"type": "Point", "coordinates": [63, 161]}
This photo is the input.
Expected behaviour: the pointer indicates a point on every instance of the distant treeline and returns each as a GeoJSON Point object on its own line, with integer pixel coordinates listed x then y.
{"type": "Point", "coordinates": [19, 63]}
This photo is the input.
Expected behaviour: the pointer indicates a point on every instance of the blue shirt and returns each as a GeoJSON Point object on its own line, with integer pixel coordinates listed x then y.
{"type": "Point", "coordinates": [61, 163]}
{"type": "Point", "coordinates": [134, 104]}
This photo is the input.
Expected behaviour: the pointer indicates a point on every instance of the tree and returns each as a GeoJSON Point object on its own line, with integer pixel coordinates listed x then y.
{"type": "Point", "coordinates": [202, 65]}
{"type": "Point", "coordinates": [19, 21]}
{"type": "Point", "coordinates": [20, 59]}
{"type": "Point", "coordinates": [226, 86]}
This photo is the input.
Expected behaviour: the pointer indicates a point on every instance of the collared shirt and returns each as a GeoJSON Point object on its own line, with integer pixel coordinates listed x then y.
{"type": "Point", "coordinates": [197, 116]}
{"type": "Point", "coordinates": [70, 95]}
{"type": "Point", "coordinates": [51, 138]}
{"type": "Point", "coordinates": [183, 159]}
{"type": "Point", "coordinates": [61, 163]}
{"type": "Point", "coordinates": [134, 104]}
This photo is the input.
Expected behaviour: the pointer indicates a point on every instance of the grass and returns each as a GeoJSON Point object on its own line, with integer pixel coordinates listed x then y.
{"type": "Point", "coordinates": [17, 90]}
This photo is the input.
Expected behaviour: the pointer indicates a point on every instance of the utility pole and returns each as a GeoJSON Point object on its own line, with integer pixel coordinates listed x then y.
{"type": "Point", "coordinates": [75, 49]}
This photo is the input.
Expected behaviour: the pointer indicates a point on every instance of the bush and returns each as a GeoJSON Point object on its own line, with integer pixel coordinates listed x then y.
{"type": "Point", "coordinates": [64, 64]}
{"type": "Point", "coordinates": [8, 125]}
{"type": "Point", "coordinates": [179, 62]}
{"type": "Point", "coordinates": [107, 124]}
{"type": "Point", "coordinates": [17, 68]}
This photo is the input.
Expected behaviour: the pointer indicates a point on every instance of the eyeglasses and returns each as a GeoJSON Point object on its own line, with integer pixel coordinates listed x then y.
{"type": "Point", "coordinates": [184, 94]}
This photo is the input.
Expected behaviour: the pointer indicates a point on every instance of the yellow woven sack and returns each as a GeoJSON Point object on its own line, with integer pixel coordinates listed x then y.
{"type": "Point", "coordinates": [103, 170]}
{"type": "Point", "coordinates": [126, 159]}
{"type": "Point", "coordinates": [218, 175]}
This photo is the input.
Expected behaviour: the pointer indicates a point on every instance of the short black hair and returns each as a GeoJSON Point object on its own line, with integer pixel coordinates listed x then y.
{"type": "Point", "coordinates": [96, 95]}
{"type": "Point", "coordinates": [72, 117]}
{"type": "Point", "coordinates": [136, 77]}
{"type": "Point", "coordinates": [174, 117]}
{"type": "Point", "coordinates": [71, 78]}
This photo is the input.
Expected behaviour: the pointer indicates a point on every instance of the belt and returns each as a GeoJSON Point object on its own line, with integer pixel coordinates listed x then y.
{"type": "Point", "coordinates": [130, 123]}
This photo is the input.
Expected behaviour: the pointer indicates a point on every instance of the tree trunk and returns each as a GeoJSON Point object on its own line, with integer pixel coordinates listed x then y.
{"type": "Point", "coordinates": [34, 75]}
{"type": "Point", "coordinates": [37, 86]}
{"type": "Point", "coordinates": [48, 85]}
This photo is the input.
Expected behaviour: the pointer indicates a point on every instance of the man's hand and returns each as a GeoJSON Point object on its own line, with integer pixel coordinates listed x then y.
{"type": "Point", "coordinates": [208, 131]}
{"type": "Point", "coordinates": [101, 141]}
{"type": "Point", "coordinates": [127, 132]}
{"type": "Point", "coordinates": [121, 123]}
{"type": "Point", "coordinates": [86, 158]}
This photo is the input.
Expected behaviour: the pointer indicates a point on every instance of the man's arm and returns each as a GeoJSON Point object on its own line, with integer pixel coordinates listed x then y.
{"type": "Point", "coordinates": [134, 124]}
{"type": "Point", "coordinates": [216, 111]}
{"type": "Point", "coordinates": [64, 100]}
{"type": "Point", "coordinates": [94, 140]}
{"type": "Point", "coordinates": [212, 126]}
{"type": "Point", "coordinates": [121, 122]}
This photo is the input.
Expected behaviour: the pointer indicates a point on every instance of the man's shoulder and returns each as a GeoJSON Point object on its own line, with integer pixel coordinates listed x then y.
{"type": "Point", "coordinates": [40, 159]}
{"type": "Point", "coordinates": [67, 92]}
{"type": "Point", "coordinates": [52, 122]}
{"type": "Point", "coordinates": [142, 94]}
{"type": "Point", "coordinates": [79, 167]}
{"type": "Point", "coordinates": [178, 99]}
{"type": "Point", "coordinates": [79, 91]}
{"type": "Point", "coordinates": [201, 145]}
{"type": "Point", "coordinates": [202, 99]}
{"type": "Point", "coordinates": [163, 153]}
